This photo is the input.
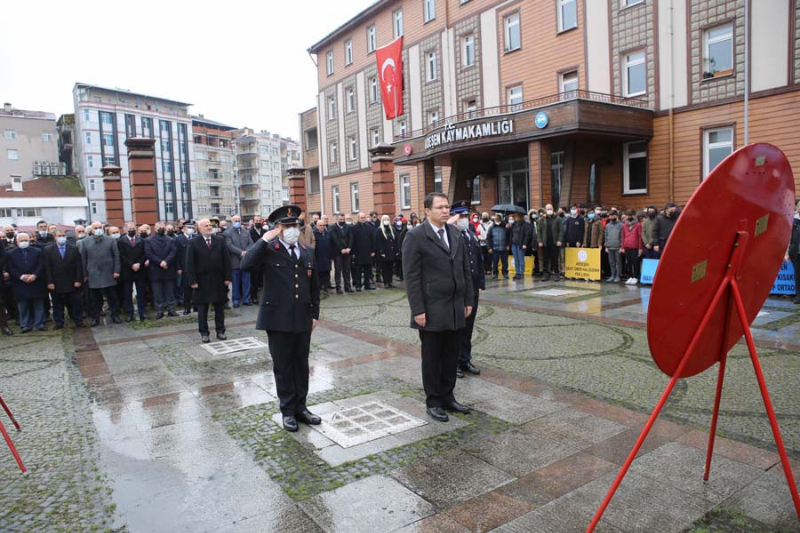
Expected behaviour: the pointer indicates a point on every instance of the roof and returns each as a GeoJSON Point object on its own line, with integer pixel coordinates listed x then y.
{"type": "Point", "coordinates": [203, 120]}
{"type": "Point", "coordinates": [46, 188]}
{"type": "Point", "coordinates": [25, 113]}
{"type": "Point", "coordinates": [349, 24]}
{"type": "Point", "coordinates": [125, 91]}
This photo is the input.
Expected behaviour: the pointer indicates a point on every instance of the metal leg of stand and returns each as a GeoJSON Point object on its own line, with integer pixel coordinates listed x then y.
{"type": "Point", "coordinates": [12, 448]}
{"type": "Point", "coordinates": [712, 433]}
{"type": "Point", "coordinates": [10, 415]}
{"type": "Point", "coordinates": [762, 385]}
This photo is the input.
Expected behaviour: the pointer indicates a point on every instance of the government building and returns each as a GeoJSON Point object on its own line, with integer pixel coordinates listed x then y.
{"type": "Point", "coordinates": [529, 102]}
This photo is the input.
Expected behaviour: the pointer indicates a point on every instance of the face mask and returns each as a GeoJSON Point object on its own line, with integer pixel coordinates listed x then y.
{"type": "Point", "coordinates": [237, 225]}
{"type": "Point", "coordinates": [462, 224]}
{"type": "Point", "coordinates": [189, 232]}
{"type": "Point", "coordinates": [43, 233]}
{"type": "Point", "coordinates": [398, 225]}
{"type": "Point", "coordinates": [98, 232]}
{"type": "Point", "coordinates": [81, 236]}
{"type": "Point", "coordinates": [160, 232]}
{"type": "Point", "coordinates": [23, 244]}
{"type": "Point", "coordinates": [258, 225]}
{"type": "Point", "coordinates": [534, 217]}
{"type": "Point", "coordinates": [291, 235]}
{"type": "Point", "coordinates": [651, 214]}
{"type": "Point", "coordinates": [591, 216]}
{"type": "Point", "coordinates": [612, 219]}
{"type": "Point", "coordinates": [9, 235]}
{"type": "Point", "coordinates": [143, 234]}
{"type": "Point", "coordinates": [573, 212]}
{"type": "Point", "coordinates": [61, 240]}
{"type": "Point", "coordinates": [385, 222]}
{"type": "Point", "coordinates": [630, 219]}
{"type": "Point", "coordinates": [171, 233]}
{"type": "Point", "coordinates": [115, 235]}
{"type": "Point", "coordinates": [549, 212]}
{"type": "Point", "coordinates": [131, 233]}
{"type": "Point", "coordinates": [486, 219]}
{"type": "Point", "coordinates": [349, 222]}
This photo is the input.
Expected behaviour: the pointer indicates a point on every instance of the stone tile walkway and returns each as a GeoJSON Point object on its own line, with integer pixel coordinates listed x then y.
{"type": "Point", "coordinates": [141, 429]}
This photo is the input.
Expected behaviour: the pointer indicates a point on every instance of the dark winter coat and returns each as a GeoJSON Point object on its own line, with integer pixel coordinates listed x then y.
{"type": "Point", "coordinates": [663, 227]}
{"type": "Point", "coordinates": [208, 269]}
{"type": "Point", "coordinates": [159, 248]}
{"type": "Point", "coordinates": [63, 272]}
{"type": "Point", "coordinates": [129, 256]}
{"type": "Point", "coordinates": [27, 261]}
{"type": "Point", "coordinates": [323, 251]}
{"type": "Point", "coordinates": [363, 243]}
{"type": "Point", "coordinates": [387, 245]}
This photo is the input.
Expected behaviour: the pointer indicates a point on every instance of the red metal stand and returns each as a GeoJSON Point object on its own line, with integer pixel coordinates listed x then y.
{"type": "Point", "coordinates": [8, 438]}
{"type": "Point", "coordinates": [728, 286]}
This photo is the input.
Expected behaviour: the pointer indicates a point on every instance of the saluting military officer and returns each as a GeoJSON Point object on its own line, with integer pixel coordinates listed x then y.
{"type": "Point", "coordinates": [289, 309]}
{"type": "Point", "coordinates": [460, 219]}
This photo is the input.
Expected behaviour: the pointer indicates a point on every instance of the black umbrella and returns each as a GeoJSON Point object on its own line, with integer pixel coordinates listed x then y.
{"type": "Point", "coordinates": [508, 208]}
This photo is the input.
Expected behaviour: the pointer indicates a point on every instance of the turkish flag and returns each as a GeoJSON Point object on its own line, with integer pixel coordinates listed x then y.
{"type": "Point", "coordinates": [390, 72]}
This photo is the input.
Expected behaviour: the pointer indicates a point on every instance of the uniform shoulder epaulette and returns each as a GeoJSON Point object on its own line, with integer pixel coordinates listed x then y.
{"type": "Point", "coordinates": [277, 245]}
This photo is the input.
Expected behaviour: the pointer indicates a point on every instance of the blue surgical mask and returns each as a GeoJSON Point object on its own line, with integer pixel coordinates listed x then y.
{"type": "Point", "coordinates": [61, 240]}
{"type": "Point", "coordinates": [591, 215]}
{"type": "Point", "coordinates": [98, 232]}
{"type": "Point", "coordinates": [237, 225]}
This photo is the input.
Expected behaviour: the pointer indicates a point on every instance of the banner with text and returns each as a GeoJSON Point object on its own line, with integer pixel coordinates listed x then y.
{"type": "Point", "coordinates": [648, 271]}
{"type": "Point", "coordinates": [582, 263]}
{"type": "Point", "coordinates": [785, 282]}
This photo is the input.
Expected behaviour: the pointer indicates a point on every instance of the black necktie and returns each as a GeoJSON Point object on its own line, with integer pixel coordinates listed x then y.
{"type": "Point", "coordinates": [441, 238]}
{"type": "Point", "coordinates": [291, 252]}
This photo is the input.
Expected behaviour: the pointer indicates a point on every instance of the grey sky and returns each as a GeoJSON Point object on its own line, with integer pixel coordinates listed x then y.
{"type": "Point", "coordinates": [241, 62]}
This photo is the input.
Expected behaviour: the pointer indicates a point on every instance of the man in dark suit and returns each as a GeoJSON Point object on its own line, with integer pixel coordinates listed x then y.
{"type": "Point", "coordinates": [64, 275]}
{"type": "Point", "coordinates": [5, 291]}
{"type": "Point", "coordinates": [43, 237]}
{"type": "Point", "coordinates": [26, 269]}
{"type": "Point", "coordinates": [363, 239]}
{"type": "Point", "coordinates": [133, 272]}
{"type": "Point", "coordinates": [342, 242]}
{"type": "Point", "coordinates": [289, 309]}
{"type": "Point", "coordinates": [181, 245]}
{"type": "Point", "coordinates": [208, 267]}
{"type": "Point", "coordinates": [460, 219]}
{"type": "Point", "coordinates": [439, 290]}
{"type": "Point", "coordinates": [256, 232]}
{"type": "Point", "coordinates": [160, 251]}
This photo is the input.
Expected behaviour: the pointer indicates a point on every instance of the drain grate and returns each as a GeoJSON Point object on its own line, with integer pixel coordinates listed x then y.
{"type": "Point", "coordinates": [233, 345]}
{"type": "Point", "coordinates": [364, 423]}
{"type": "Point", "coordinates": [554, 292]}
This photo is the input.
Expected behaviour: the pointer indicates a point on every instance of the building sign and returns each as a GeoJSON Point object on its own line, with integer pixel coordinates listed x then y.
{"type": "Point", "coordinates": [582, 263]}
{"type": "Point", "coordinates": [784, 283]}
{"type": "Point", "coordinates": [453, 134]}
{"type": "Point", "coordinates": [407, 149]}
{"type": "Point", "coordinates": [542, 120]}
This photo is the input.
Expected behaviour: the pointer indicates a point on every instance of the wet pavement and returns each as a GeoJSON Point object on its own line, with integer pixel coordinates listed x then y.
{"type": "Point", "coordinates": [143, 429]}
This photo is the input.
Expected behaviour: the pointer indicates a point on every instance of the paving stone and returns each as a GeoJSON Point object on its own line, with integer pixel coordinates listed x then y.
{"type": "Point", "coordinates": [768, 500]}
{"type": "Point", "coordinates": [570, 425]}
{"type": "Point", "coordinates": [438, 523]}
{"type": "Point", "coordinates": [488, 511]}
{"type": "Point", "coordinates": [560, 516]}
{"type": "Point", "coordinates": [377, 503]}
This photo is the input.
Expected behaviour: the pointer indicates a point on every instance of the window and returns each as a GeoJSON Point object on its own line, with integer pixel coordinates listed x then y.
{"type": "Point", "coordinates": [86, 115]}
{"type": "Point", "coordinates": [109, 160]}
{"type": "Point", "coordinates": [168, 188]}
{"type": "Point", "coordinates": [468, 51]}
{"type": "Point", "coordinates": [6, 213]}
{"type": "Point", "coordinates": [430, 9]}
{"type": "Point", "coordinates": [397, 17]}
{"type": "Point", "coordinates": [311, 139]}
{"type": "Point", "coordinates": [433, 117]}
{"type": "Point", "coordinates": [471, 108]}
{"type": "Point", "coordinates": [169, 208]}
{"type": "Point", "coordinates": [402, 128]}
{"type": "Point", "coordinates": [12, 154]}
{"type": "Point", "coordinates": [90, 161]}
{"type": "Point", "coordinates": [105, 118]}
{"type": "Point", "coordinates": [373, 90]}
{"type": "Point", "coordinates": [348, 51]}
{"type": "Point", "coordinates": [405, 192]}
{"type": "Point", "coordinates": [351, 100]}
{"type": "Point", "coordinates": [94, 208]}
{"type": "Point", "coordinates": [569, 84]}
{"type": "Point", "coordinates": [628, 3]}
{"type": "Point", "coordinates": [437, 180]}
{"type": "Point", "coordinates": [147, 127]}
{"type": "Point", "coordinates": [335, 197]}
{"type": "Point", "coordinates": [511, 32]}
{"type": "Point", "coordinates": [329, 62]}
{"type": "Point", "coordinates": [166, 167]}
{"type": "Point", "coordinates": [476, 190]}
{"type": "Point", "coordinates": [91, 185]}
{"type": "Point", "coordinates": [634, 156]}
{"type": "Point", "coordinates": [31, 211]}
{"type": "Point", "coordinates": [351, 148]}
{"type": "Point", "coordinates": [371, 39]}
{"type": "Point", "coordinates": [717, 145]}
{"type": "Point", "coordinates": [88, 138]}
{"type": "Point", "coordinates": [331, 108]}
{"type": "Point", "coordinates": [635, 74]}
{"type": "Point", "coordinates": [130, 126]}
{"type": "Point", "coordinates": [514, 98]}
{"type": "Point", "coordinates": [11, 135]}
{"type": "Point", "coordinates": [376, 137]}
{"type": "Point", "coordinates": [556, 175]}
{"type": "Point", "coordinates": [431, 71]}
{"type": "Point", "coordinates": [313, 181]}
{"type": "Point", "coordinates": [334, 152]}
{"type": "Point", "coordinates": [354, 198]}
{"type": "Point", "coordinates": [108, 140]}
{"type": "Point", "coordinates": [567, 14]}
{"type": "Point", "coordinates": [718, 51]}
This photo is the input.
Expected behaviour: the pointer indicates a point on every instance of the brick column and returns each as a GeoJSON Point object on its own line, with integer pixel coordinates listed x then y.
{"type": "Point", "coordinates": [297, 188]}
{"type": "Point", "coordinates": [383, 186]}
{"type": "Point", "coordinates": [112, 185]}
{"type": "Point", "coordinates": [141, 165]}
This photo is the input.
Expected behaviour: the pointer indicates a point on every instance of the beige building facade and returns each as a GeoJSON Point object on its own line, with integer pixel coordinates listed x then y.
{"type": "Point", "coordinates": [28, 145]}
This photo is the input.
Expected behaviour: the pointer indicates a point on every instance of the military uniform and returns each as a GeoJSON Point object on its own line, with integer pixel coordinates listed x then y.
{"type": "Point", "coordinates": [289, 305]}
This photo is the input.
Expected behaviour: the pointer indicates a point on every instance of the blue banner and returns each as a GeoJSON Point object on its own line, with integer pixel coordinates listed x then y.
{"type": "Point", "coordinates": [785, 282]}
{"type": "Point", "coordinates": [648, 271]}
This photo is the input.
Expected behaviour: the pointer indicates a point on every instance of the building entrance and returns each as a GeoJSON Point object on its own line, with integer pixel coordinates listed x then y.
{"type": "Point", "coordinates": [513, 182]}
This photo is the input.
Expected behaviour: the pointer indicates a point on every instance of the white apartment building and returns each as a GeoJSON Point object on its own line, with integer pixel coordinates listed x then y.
{"type": "Point", "coordinates": [28, 145]}
{"type": "Point", "coordinates": [214, 168]}
{"type": "Point", "coordinates": [105, 118]}
{"type": "Point", "coordinates": [262, 161]}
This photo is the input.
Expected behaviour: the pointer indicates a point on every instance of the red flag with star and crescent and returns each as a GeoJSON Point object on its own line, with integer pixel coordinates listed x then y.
{"type": "Point", "coordinates": [390, 73]}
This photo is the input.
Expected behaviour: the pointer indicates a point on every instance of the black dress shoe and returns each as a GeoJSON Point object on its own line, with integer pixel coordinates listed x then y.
{"type": "Point", "coordinates": [42, 328]}
{"type": "Point", "coordinates": [187, 311]}
{"type": "Point", "coordinates": [470, 369]}
{"type": "Point", "coordinates": [339, 291]}
{"type": "Point", "coordinates": [358, 289]}
{"type": "Point", "coordinates": [438, 414]}
{"type": "Point", "coordinates": [7, 331]}
{"type": "Point", "coordinates": [349, 290]}
{"type": "Point", "coordinates": [159, 315]}
{"type": "Point", "coordinates": [222, 336]}
{"type": "Point", "coordinates": [142, 317]}
{"type": "Point", "coordinates": [25, 330]}
{"type": "Point", "coordinates": [116, 319]}
{"type": "Point", "coordinates": [130, 318]}
{"type": "Point", "coordinates": [247, 304]}
{"type": "Point", "coordinates": [236, 306]}
{"type": "Point", "coordinates": [459, 373]}
{"type": "Point", "coordinates": [172, 313]}
{"type": "Point", "coordinates": [456, 407]}
{"type": "Point", "coordinates": [58, 326]}
{"type": "Point", "coordinates": [290, 423]}
{"type": "Point", "coordinates": [307, 417]}
{"type": "Point", "coordinates": [206, 339]}
{"type": "Point", "coordinates": [94, 322]}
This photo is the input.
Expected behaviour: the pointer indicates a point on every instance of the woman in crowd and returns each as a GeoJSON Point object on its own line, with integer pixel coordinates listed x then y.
{"type": "Point", "coordinates": [387, 249]}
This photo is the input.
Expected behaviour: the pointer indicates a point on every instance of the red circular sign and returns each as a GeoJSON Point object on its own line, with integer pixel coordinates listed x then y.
{"type": "Point", "coordinates": [752, 190]}
{"type": "Point", "coordinates": [407, 149]}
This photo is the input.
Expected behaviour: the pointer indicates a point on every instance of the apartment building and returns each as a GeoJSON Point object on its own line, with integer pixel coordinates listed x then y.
{"type": "Point", "coordinates": [105, 118]}
{"type": "Point", "coordinates": [214, 168]}
{"type": "Point", "coordinates": [619, 102]}
{"type": "Point", "coordinates": [262, 161]}
{"type": "Point", "coordinates": [28, 146]}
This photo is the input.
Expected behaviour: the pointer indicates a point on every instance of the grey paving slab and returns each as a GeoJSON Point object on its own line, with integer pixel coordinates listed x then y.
{"type": "Point", "coordinates": [559, 516]}
{"type": "Point", "coordinates": [768, 500]}
{"type": "Point", "coordinates": [572, 425]}
{"type": "Point", "coordinates": [377, 503]}
{"type": "Point", "coordinates": [451, 478]}
{"type": "Point", "coordinates": [282, 520]}
{"type": "Point", "coordinates": [336, 455]}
